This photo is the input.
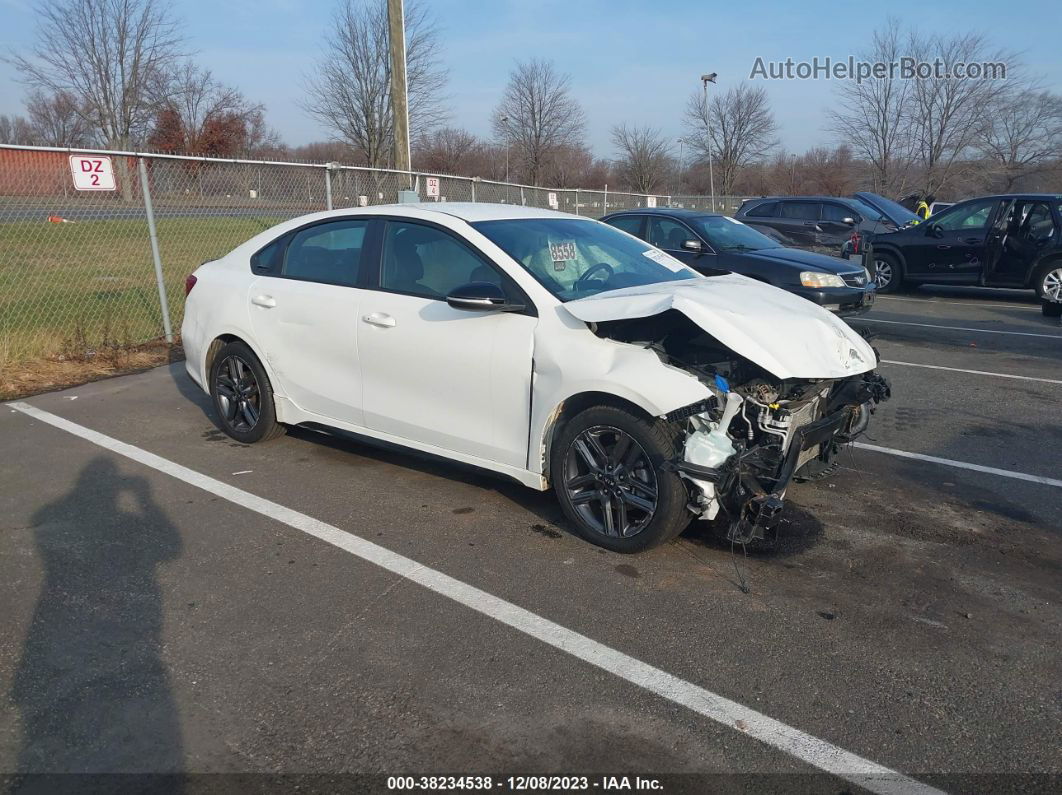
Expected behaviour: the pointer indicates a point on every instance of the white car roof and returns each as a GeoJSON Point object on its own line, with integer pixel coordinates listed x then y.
{"type": "Point", "coordinates": [472, 211]}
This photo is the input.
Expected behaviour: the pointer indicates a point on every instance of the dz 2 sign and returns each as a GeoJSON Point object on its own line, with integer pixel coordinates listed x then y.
{"type": "Point", "coordinates": [92, 172]}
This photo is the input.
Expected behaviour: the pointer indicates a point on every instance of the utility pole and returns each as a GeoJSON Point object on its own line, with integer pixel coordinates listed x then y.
{"type": "Point", "coordinates": [396, 26]}
{"type": "Point", "coordinates": [706, 79]}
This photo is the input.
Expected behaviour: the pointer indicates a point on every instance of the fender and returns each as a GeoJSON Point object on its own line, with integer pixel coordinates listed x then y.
{"type": "Point", "coordinates": [1051, 256]}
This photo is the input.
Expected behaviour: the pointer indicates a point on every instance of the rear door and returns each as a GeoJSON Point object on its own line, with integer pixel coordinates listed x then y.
{"type": "Point", "coordinates": [1022, 231]}
{"type": "Point", "coordinates": [304, 305]}
{"type": "Point", "coordinates": [455, 379]}
{"type": "Point", "coordinates": [798, 221]}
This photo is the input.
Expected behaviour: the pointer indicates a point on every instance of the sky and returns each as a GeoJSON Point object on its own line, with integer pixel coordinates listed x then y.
{"type": "Point", "coordinates": [634, 62]}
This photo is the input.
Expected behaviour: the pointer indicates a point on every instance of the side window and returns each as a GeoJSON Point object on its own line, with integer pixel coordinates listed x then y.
{"type": "Point", "coordinates": [631, 224]}
{"type": "Point", "coordinates": [425, 261]}
{"type": "Point", "coordinates": [838, 212]}
{"type": "Point", "coordinates": [667, 234]}
{"type": "Point", "coordinates": [974, 215]}
{"type": "Point", "coordinates": [765, 210]}
{"type": "Point", "coordinates": [267, 260]}
{"type": "Point", "coordinates": [328, 252]}
{"type": "Point", "coordinates": [1034, 222]}
{"type": "Point", "coordinates": [806, 211]}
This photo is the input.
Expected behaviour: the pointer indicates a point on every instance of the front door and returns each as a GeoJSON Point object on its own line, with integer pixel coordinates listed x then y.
{"type": "Point", "coordinates": [454, 379]}
{"type": "Point", "coordinates": [304, 318]}
{"type": "Point", "coordinates": [953, 246]}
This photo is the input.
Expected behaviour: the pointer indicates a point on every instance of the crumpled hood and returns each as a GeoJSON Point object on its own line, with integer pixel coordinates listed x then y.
{"type": "Point", "coordinates": [784, 334]}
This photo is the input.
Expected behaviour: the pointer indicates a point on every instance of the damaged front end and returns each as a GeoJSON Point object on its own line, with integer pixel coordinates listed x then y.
{"type": "Point", "coordinates": [739, 449]}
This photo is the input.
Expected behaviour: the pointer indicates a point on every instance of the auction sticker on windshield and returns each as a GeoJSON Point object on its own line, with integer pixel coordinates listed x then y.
{"type": "Point", "coordinates": [561, 253]}
{"type": "Point", "coordinates": [666, 260]}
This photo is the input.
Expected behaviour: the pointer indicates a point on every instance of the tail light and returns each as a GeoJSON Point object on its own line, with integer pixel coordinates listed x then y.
{"type": "Point", "coordinates": [189, 283]}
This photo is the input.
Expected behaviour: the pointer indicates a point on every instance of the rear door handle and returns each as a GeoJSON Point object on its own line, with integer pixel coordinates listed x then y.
{"type": "Point", "coordinates": [971, 241]}
{"type": "Point", "coordinates": [379, 319]}
{"type": "Point", "coordinates": [266, 301]}
{"type": "Point", "coordinates": [943, 247]}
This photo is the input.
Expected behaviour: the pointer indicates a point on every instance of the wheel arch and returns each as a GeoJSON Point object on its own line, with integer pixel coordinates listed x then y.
{"type": "Point", "coordinates": [571, 406]}
{"type": "Point", "coordinates": [1048, 259]}
{"type": "Point", "coordinates": [220, 340]}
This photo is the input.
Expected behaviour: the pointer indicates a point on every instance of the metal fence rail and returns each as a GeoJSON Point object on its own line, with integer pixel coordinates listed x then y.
{"type": "Point", "coordinates": [85, 269]}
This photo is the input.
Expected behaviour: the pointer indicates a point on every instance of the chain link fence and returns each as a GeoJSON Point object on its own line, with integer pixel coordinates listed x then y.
{"type": "Point", "coordinates": [81, 269]}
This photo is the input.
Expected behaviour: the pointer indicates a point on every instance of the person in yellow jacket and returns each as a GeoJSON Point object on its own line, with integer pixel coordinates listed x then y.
{"type": "Point", "coordinates": [922, 208]}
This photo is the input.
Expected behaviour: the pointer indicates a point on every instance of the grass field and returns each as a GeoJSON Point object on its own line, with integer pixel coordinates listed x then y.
{"type": "Point", "coordinates": [67, 289]}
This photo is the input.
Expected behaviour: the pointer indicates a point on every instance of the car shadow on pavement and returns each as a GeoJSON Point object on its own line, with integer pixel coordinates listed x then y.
{"type": "Point", "coordinates": [91, 686]}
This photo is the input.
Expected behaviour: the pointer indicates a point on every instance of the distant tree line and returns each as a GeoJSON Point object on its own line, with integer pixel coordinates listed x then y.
{"type": "Point", "coordinates": [948, 137]}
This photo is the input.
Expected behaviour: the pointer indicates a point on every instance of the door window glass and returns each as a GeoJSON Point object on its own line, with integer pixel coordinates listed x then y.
{"type": "Point", "coordinates": [974, 215]}
{"type": "Point", "coordinates": [327, 253]}
{"type": "Point", "coordinates": [425, 261]}
{"type": "Point", "coordinates": [837, 212]}
{"type": "Point", "coordinates": [808, 211]}
{"type": "Point", "coordinates": [765, 210]}
{"type": "Point", "coordinates": [667, 234]}
{"type": "Point", "coordinates": [631, 224]}
{"type": "Point", "coordinates": [1034, 222]}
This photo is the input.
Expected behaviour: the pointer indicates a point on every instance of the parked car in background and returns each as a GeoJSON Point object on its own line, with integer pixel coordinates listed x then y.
{"type": "Point", "coordinates": [825, 222]}
{"type": "Point", "coordinates": [895, 212]}
{"type": "Point", "coordinates": [1012, 240]}
{"type": "Point", "coordinates": [549, 348]}
{"type": "Point", "coordinates": [713, 243]}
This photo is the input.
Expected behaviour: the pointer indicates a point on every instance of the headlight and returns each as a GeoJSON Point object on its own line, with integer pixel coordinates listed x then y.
{"type": "Point", "coordinates": [817, 279]}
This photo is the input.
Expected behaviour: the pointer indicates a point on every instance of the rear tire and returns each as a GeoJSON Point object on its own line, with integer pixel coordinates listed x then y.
{"type": "Point", "coordinates": [888, 273]}
{"type": "Point", "coordinates": [606, 465]}
{"type": "Point", "coordinates": [243, 396]}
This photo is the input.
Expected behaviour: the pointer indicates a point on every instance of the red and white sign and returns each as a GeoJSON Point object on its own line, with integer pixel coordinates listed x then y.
{"type": "Point", "coordinates": [552, 199]}
{"type": "Point", "coordinates": [650, 201]}
{"type": "Point", "coordinates": [92, 172]}
{"type": "Point", "coordinates": [431, 185]}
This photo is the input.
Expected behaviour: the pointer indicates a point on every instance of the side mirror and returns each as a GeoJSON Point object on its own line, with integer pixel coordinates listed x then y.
{"type": "Point", "coordinates": [934, 230]}
{"type": "Point", "coordinates": [481, 297]}
{"type": "Point", "coordinates": [848, 221]}
{"type": "Point", "coordinates": [692, 245]}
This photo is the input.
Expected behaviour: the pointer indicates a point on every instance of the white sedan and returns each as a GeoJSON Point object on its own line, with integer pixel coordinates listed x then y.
{"type": "Point", "coordinates": [549, 348]}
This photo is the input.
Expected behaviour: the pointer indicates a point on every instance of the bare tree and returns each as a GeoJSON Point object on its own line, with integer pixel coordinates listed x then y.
{"type": "Point", "coordinates": [199, 115]}
{"type": "Point", "coordinates": [350, 90]}
{"type": "Point", "coordinates": [16, 130]}
{"type": "Point", "coordinates": [107, 52]}
{"type": "Point", "coordinates": [537, 115]}
{"type": "Point", "coordinates": [58, 119]}
{"type": "Point", "coordinates": [644, 162]}
{"type": "Point", "coordinates": [449, 151]}
{"type": "Point", "coordinates": [1024, 133]}
{"type": "Point", "coordinates": [873, 117]}
{"type": "Point", "coordinates": [949, 115]}
{"type": "Point", "coordinates": [735, 129]}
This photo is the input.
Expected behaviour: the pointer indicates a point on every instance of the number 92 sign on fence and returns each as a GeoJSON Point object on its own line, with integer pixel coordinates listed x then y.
{"type": "Point", "coordinates": [92, 172]}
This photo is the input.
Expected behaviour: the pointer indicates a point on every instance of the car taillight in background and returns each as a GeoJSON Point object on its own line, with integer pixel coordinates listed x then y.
{"type": "Point", "coordinates": [189, 283]}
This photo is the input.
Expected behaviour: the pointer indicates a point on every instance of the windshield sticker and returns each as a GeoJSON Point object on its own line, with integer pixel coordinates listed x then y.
{"type": "Point", "coordinates": [666, 260]}
{"type": "Point", "coordinates": [562, 252]}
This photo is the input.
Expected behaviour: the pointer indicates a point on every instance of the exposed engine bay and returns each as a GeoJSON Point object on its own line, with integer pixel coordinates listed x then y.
{"type": "Point", "coordinates": [739, 449]}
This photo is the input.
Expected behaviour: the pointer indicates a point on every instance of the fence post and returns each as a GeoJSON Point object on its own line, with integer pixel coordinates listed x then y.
{"type": "Point", "coordinates": [328, 185]}
{"type": "Point", "coordinates": [164, 304]}
{"type": "Point", "coordinates": [474, 181]}
{"type": "Point", "coordinates": [577, 201]}
{"type": "Point", "coordinates": [604, 209]}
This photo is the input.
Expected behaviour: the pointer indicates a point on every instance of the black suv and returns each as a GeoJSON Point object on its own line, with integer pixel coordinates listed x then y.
{"type": "Point", "coordinates": [994, 241]}
{"type": "Point", "coordinates": [712, 243]}
{"type": "Point", "coordinates": [814, 221]}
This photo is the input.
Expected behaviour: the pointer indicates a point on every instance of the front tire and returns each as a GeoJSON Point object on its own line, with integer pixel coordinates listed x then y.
{"type": "Point", "coordinates": [607, 470]}
{"type": "Point", "coordinates": [1049, 282]}
{"type": "Point", "coordinates": [243, 396]}
{"type": "Point", "coordinates": [888, 273]}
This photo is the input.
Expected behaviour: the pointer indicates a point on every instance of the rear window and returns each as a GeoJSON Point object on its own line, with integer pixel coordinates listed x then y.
{"type": "Point", "coordinates": [809, 211]}
{"type": "Point", "coordinates": [329, 252]}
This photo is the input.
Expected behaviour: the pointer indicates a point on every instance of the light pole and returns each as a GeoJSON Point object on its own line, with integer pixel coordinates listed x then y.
{"type": "Point", "coordinates": [505, 120]}
{"type": "Point", "coordinates": [706, 79]}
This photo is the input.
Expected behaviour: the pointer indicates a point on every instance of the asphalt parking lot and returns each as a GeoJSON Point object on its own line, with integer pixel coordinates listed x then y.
{"type": "Point", "coordinates": [154, 622]}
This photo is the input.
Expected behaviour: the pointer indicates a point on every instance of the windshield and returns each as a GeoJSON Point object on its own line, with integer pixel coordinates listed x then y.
{"type": "Point", "coordinates": [726, 234]}
{"type": "Point", "coordinates": [897, 212]}
{"type": "Point", "coordinates": [573, 258]}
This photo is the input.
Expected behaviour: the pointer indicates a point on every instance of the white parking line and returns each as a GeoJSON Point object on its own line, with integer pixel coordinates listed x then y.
{"type": "Point", "coordinates": [1006, 473]}
{"type": "Point", "coordinates": [973, 372]}
{"type": "Point", "coordinates": [955, 303]}
{"type": "Point", "coordinates": [958, 328]}
{"type": "Point", "coordinates": [815, 752]}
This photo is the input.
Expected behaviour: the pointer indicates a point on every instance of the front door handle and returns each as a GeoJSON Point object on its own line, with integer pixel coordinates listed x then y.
{"type": "Point", "coordinates": [379, 319]}
{"type": "Point", "coordinates": [266, 301]}
{"type": "Point", "coordinates": [943, 247]}
{"type": "Point", "coordinates": [971, 241]}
